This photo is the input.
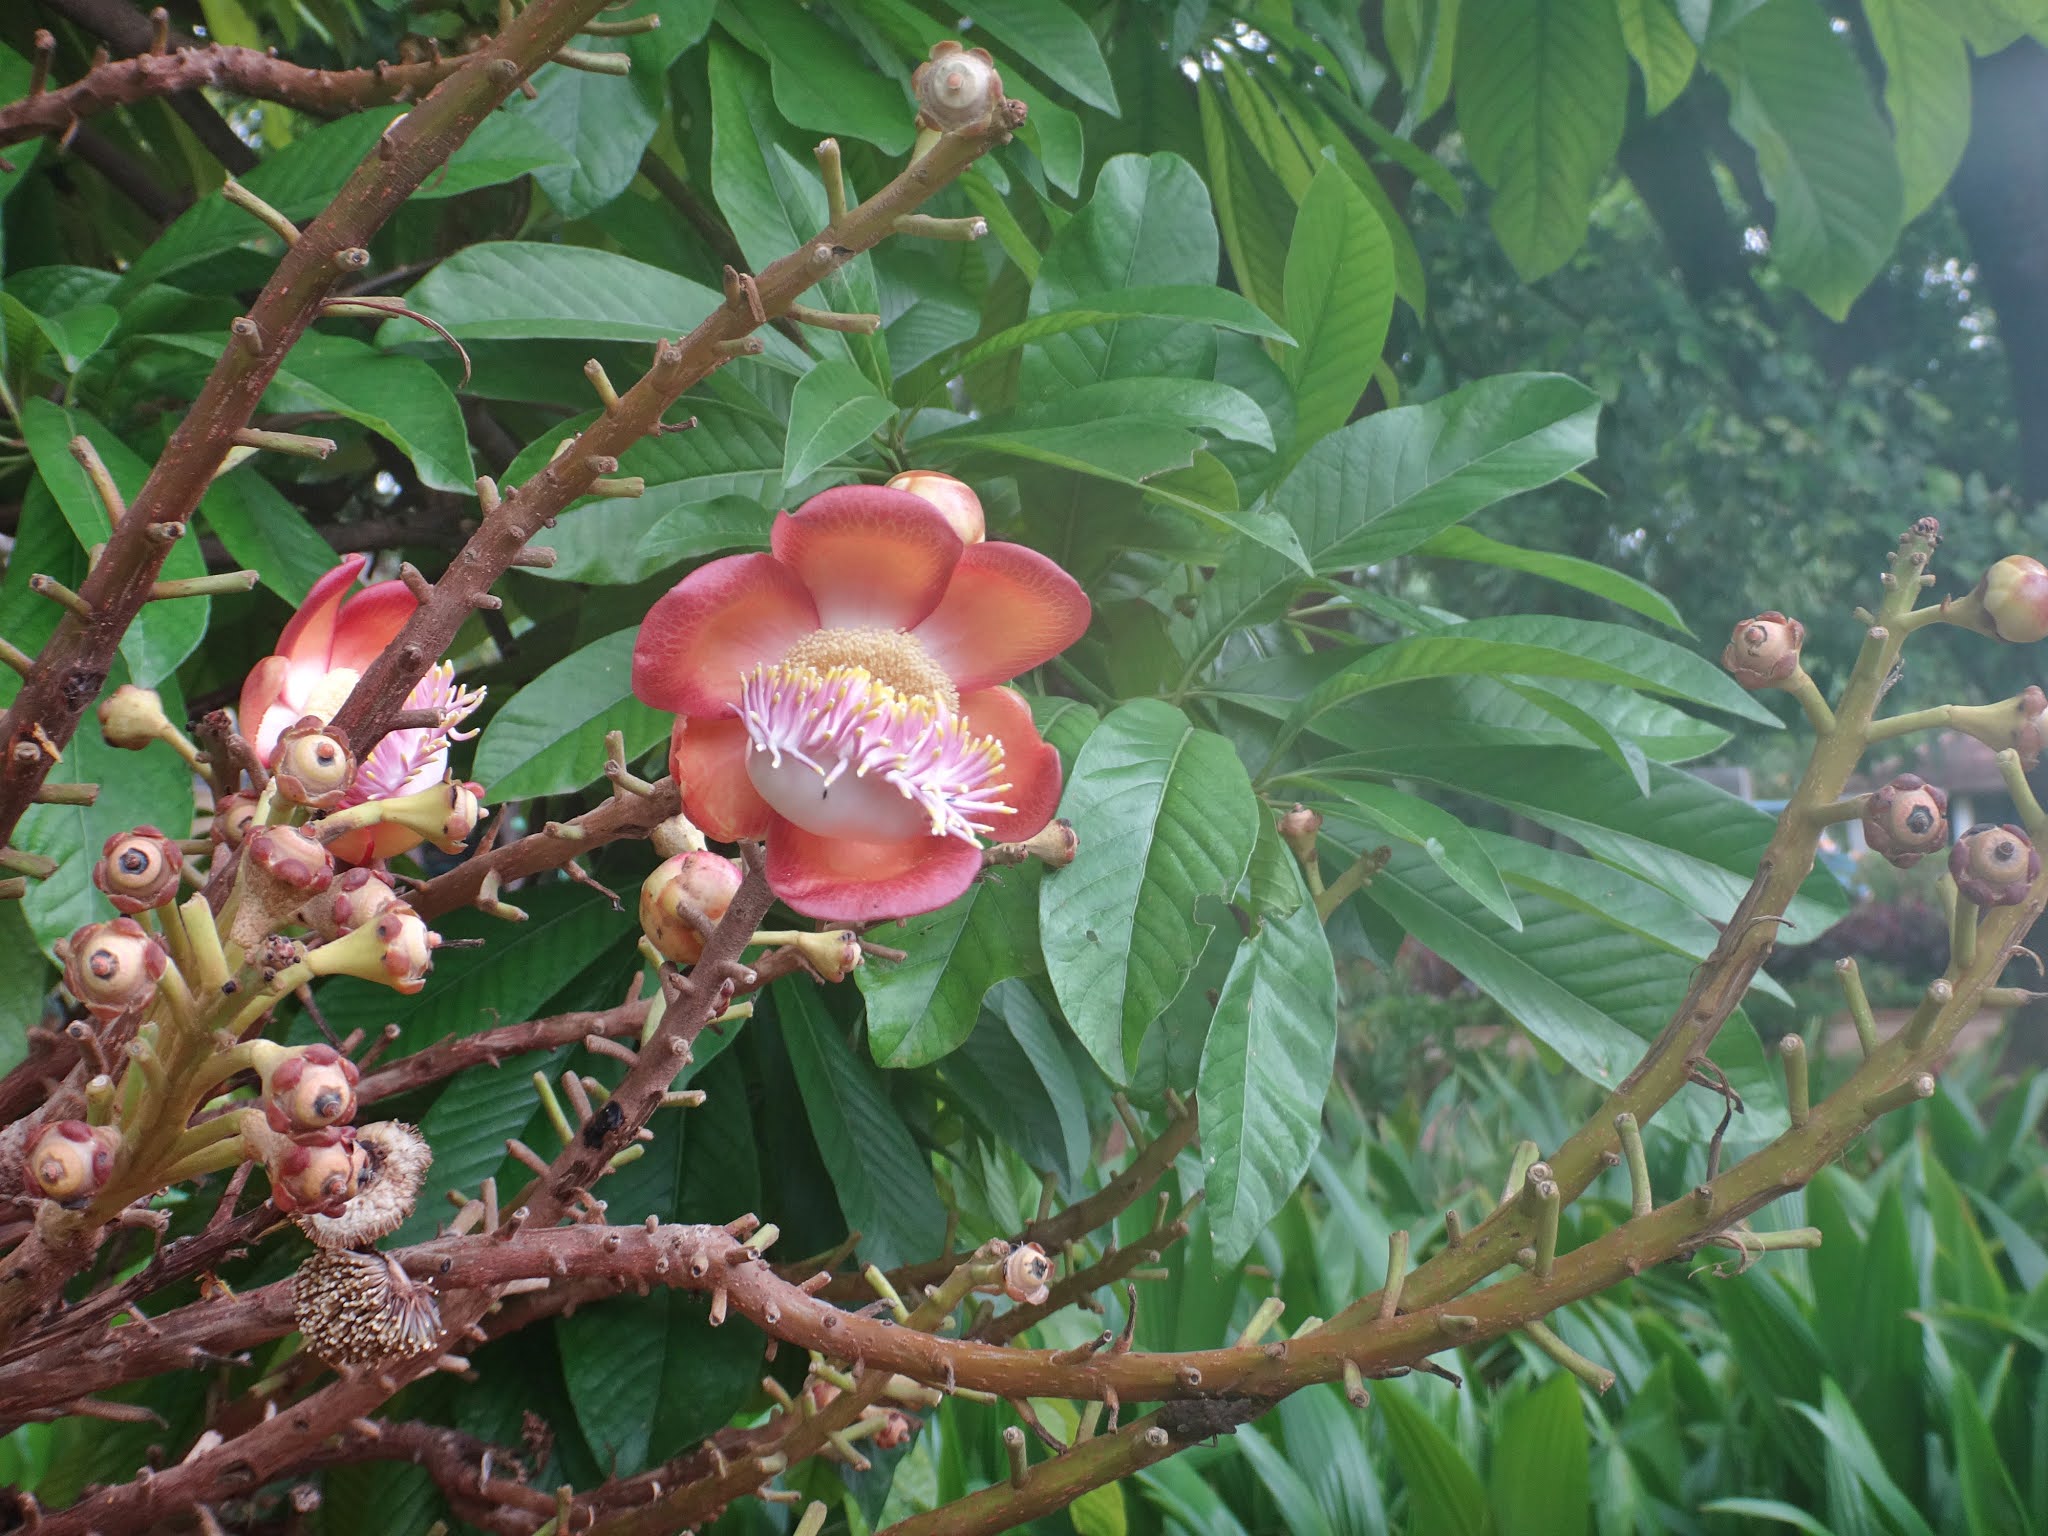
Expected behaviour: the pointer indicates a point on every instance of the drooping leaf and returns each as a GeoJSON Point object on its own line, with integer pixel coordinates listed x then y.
{"type": "Point", "coordinates": [1663, 50]}
{"type": "Point", "coordinates": [549, 739]}
{"type": "Point", "coordinates": [1054, 41]}
{"type": "Point", "coordinates": [1926, 94]}
{"type": "Point", "coordinates": [1461, 543]}
{"type": "Point", "coordinates": [1541, 1473]}
{"type": "Point", "coordinates": [1447, 841]}
{"type": "Point", "coordinates": [1340, 296]}
{"type": "Point", "coordinates": [1444, 1493]}
{"type": "Point", "coordinates": [812, 86]}
{"type": "Point", "coordinates": [923, 1007]}
{"type": "Point", "coordinates": [833, 409]}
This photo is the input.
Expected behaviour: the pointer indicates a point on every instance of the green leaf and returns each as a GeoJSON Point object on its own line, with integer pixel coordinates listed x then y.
{"type": "Point", "coordinates": [163, 634]}
{"type": "Point", "coordinates": [1167, 814]}
{"type": "Point", "coordinates": [1541, 1472]}
{"type": "Point", "coordinates": [833, 410]}
{"type": "Point", "coordinates": [1201, 405]}
{"type": "Point", "coordinates": [1768, 1509]}
{"type": "Point", "coordinates": [265, 533]}
{"type": "Point", "coordinates": [1099, 1511]}
{"type": "Point", "coordinates": [1340, 297]}
{"type": "Point", "coordinates": [1444, 1494]}
{"type": "Point", "coordinates": [1460, 543]}
{"type": "Point", "coordinates": [1799, 99]}
{"type": "Point", "coordinates": [1663, 50]}
{"type": "Point", "coordinates": [1147, 224]}
{"type": "Point", "coordinates": [78, 333]}
{"type": "Point", "coordinates": [883, 1182]}
{"type": "Point", "coordinates": [1926, 94]}
{"type": "Point", "coordinates": [1384, 485]}
{"type": "Point", "coordinates": [1849, 1443]}
{"type": "Point", "coordinates": [1285, 1484]}
{"type": "Point", "coordinates": [1542, 98]}
{"type": "Point", "coordinates": [599, 125]}
{"type": "Point", "coordinates": [1448, 842]}
{"type": "Point", "coordinates": [1193, 302]}
{"type": "Point", "coordinates": [1253, 211]}
{"type": "Point", "coordinates": [921, 1008]}
{"type": "Point", "coordinates": [812, 84]}
{"type": "Point", "coordinates": [1000, 1080]}
{"type": "Point", "coordinates": [549, 740]}
{"type": "Point", "coordinates": [1991, 1500]}
{"type": "Point", "coordinates": [25, 981]}
{"type": "Point", "coordinates": [1265, 1068]}
{"type": "Point", "coordinates": [1053, 41]}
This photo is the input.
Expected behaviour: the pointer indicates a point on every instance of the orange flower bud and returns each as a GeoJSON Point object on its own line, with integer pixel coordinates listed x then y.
{"type": "Point", "coordinates": [1764, 651]}
{"type": "Point", "coordinates": [138, 870]}
{"type": "Point", "coordinates": [700, 879]}
{"type": "Point", "coordinates": [312, 767]}
{"type": "Point", "coordinates": [71, 1161]}
{"type": "Point", "coordinates": [1906, 820]}
{"type": "Point", "coordinates": [113, 966]}
{"type": "Point", "coordinates": [1025, 1275]}
{"type": "Point", "coordinates": [2013, 597]}
{"type": "Point", "coordinates": [1993, 866]}
{"type": "Point", "coordinates": [954, 498]}
{"type": "Point", "coordinates": [316, 1173]}
{"type": "Point", "coordinates": [311, 1088]}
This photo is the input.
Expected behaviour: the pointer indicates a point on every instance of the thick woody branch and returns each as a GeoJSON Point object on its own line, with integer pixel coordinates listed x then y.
{"type": "Point", "coordinates": [488, 1047]}
{"type": "Point", "coordinates": [1051, 1485]}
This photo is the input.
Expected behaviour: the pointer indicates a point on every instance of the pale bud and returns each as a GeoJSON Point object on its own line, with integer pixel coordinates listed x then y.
{"type": "Point", "coordinates": [71, 1161]}
{"type": "Point", "coordinates": [312, 767]}
{"type": "Point", "coordinates": [1994, 865]}
{"type": "Point", "coordinates": [131, 718]}
{"type": "Point", "coordinates": [955, 499]}
{"type": "Point", "coordinates": [315, 1173]}
{"type": "Point", "coordinates": [1906, 820]}
{"type": "Point", "coordinates": [1764, 651]}
{"type": "Point", "coordinates": [2013, 597]}
{"type": "Point", "coordinates": [957, 88]}
{"type": "Point", "coordinates": [113, 966]}
{"type": "Point", "coordinates": [310, 1089]}
{"type": "Point", "coordinates": [138, 870]}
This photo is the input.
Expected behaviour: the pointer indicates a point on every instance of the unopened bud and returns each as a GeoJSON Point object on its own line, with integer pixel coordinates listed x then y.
{"type": "Point", "coordinates": [316, 1173]}
{"type": "Point", "coordinates": [71, 1161]}
{"type": "Point", "coordinates": [1026, 1275]}
{"type": "Point", "coordinates": [445, 814]}
{"type": "Point", "coordinates": [233, 816]}
{"type": "Point", "coordinates": [896, 1430]}
{"type": "Point", "coordinates": [954, 498]}
{"type": "Point", "coordinates": [311, 1088]}
{"type": "Point", "coordinates": [312, 767]}
{"type": "Point", "coordinates": [1994, 865]}
{"type": "Point", "coordinates": [131, 718]}
{"type": "Point", "coordinates": [1906, 820]}
{"type": "Point", "coordinates": [138, 870]}
{"type": "Point", "coordinates": [1764, 651]}
{"type": "Point", "coordinates": [290, 859]}
{"type": "Point", "coordinates": [956, 88]}
{"type": "Point", "coordinates": [1298, 829]}
{"type": "Point", "coordinates": [701, 880]}
{"type": "Point", "coordinates": [113, 966]}
{"type": "Point", "coordinates": [394, 949]}
{"type": "Point", "coordinates": [832, 954]}
{"type": "Point", "coordinates": [2013, 599]}
{"type": "Point", "coordinates": [356, 896]}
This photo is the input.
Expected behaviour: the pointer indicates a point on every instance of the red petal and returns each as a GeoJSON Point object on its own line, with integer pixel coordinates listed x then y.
{"type": "Point", "coordinates": [870, 555]}
{"type": "Point", "coordinates": [708, 759]}
{"type": "Point", "coordinates": [310, 634]}
{"type": "Point", "coordinates": [261, 689]}
{"type": "Point", "coordinates": [1008, 609]}
{"type": "Point", "coordinates": [714, 626]}
{"type": "Point", "coordinates": [846, 881]}
{"type": "Point", "coordinates": [368, 622]}
{"type": "Point", "coordinates": [1031, 765]}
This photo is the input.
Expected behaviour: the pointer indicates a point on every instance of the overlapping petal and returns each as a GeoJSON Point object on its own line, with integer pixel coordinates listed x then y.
{"type": "Point", "coordinates": [871, 557]}
{"type": "Point", "coordinates": [708, 760]}
{"type": "Point", "coordinates": [713, 627]}
{"type": "Point", "coordinates": [369, 621]}
{"type": "Point", "coordinates": [1006, 610]}
{"type": "Point", "coordinates": [1031, 764]}
{"type": "Point", "coordinates": [845, 880]}
{"type": "Point", "coordinates": [310, 631]}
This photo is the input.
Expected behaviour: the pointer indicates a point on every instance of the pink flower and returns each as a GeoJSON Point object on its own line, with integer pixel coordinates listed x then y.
{"type": "Point", "coordinates": [320, 656]}
{"type": "Point", "coordinates": [839, 697]}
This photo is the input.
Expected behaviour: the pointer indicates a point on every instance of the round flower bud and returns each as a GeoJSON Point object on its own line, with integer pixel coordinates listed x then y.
{"type": "Point", "coordinates": [1025, 1275]}
{"type": "Point", "coordinates": [1298, 829]}
{"type": "Point", "coordinates": [1906, 820]}
{"type": "Point", "coordinates": [956, 88]}
{"type": "Point", "coordinates": [138, 870]}
{"type": "Point", "coordinates": [290, 859]}
{"type": "Point", "coordinates": [896, 1430]}
{"type": "Point", "coordinates": [2013, 597]}
{"type": "Point", "coordinates": [1764, 651]}
{"type": "Point", "coordinates": [131, 718]}
{"type": "Point", "coordinates": [233, 816]}
{"type": "Point", "coordinates": [395, 1162]}
{"type": "Point", "coordinates": [699, 879]}
{"type": "Point", "coordinates": [356, 897]}
{"type": "Point", "coordinates": [954, 498]}
{"type": "Point", "coordinates": [312, 767]}
{"type": "Point", "coordinates": [71, 1161]}
{"type": "Point", "coordinates": [310, 1089]}
{"type": "Point", "coordinates": [113, 966]}
{"type": "Point", "coordinates": [1993, 866]}
{"type": "Point", "coordinates": [316, 1172]}
{"type": "Point", "coordinates": [2030, 721]}
{"type": "Point", "coordinates": [407, 944]}
{"type": "Point", "coordinates": [363, 1309]}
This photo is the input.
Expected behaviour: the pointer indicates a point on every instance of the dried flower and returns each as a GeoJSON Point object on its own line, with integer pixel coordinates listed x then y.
{"type": "Point", "coordinates": [113, 966]}
{"type": "Point", "coordinates": [309, 1089]}
{"type": "Point", "coordinates": [1906, 820]}
{"type": "Point", "coordinates": [71, 1161]}
{"type": "Point", "coordinates": [363, 1309]}
{"type": "Point", "coordinates": [2013, 599]}
{"type": "Point", "coordinates": [705, 881]}
{"type": "Point", "coordinates": [957, 88]}
{"type": "Point", "coordinates": [1764, 651]}
{"type": "Point", "coordinates": [1993, 865]}
{"type": "Point", "coordinates": [955, 500]}
{"type": "Point", "coordinates": [312, 767]}
{"type": "Point", "coordinates": [1026, 1274]}
{"type": "Point", "coordinates": [138, 870]}
{"type": "Point", "coordinates": [315, 1172]}
{"type": "Point", "coordinates": [394, 949]}
{"type": "Point", "coordinates": [838, 696]}
{"type": "Point", "coordinates": [395, 1162]}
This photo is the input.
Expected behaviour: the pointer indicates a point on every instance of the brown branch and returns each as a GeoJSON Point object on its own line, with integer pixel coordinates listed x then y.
{"type": "Point", "coordinates": [489, 1047]}
{"type": "Point", "coordinates": [1082, 1283]}
{"type": "Point", "coordinates": [1052, 1485]}
{"type": "Point", "coordinates": [126, 30]}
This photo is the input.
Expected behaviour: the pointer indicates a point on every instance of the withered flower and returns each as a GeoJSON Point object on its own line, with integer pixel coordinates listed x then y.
{"type": "Point", "coordinates": [1026, 1274]}
{"type": "Point", "coordinates": [395, 1162]}
{"type": "Point", "coordinates": [363, 1309]}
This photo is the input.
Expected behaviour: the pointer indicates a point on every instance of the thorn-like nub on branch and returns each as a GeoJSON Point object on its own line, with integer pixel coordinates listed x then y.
{"type": "Point", "coordinates": [827, 320]}
{"type": "Point", "coordinates": [297, 444]}
{"type": "Point", "coordinates": [924, 226]}
{"type": "Point", "coordinates": [253, 205]}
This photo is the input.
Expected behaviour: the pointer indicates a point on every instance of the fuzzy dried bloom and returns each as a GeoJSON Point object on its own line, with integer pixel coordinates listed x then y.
{"type": "Point", "coordinates": [363, 1309]}
{"type": "Point", "coordinates": [113, 966]}
{"type": "Point", "coordinates": [316, 1172]}
{"type": "Point", "coordinates": [1764, 651]}
{"type": "Point", "coordinates": [71, 1161]}
{"type": "Point", "coordinates": [312, 1088]}
{"type": "Point", "coordinates": [1026, 1275]}
{"type": "Point", "coordinates": [311, 767]}
{"type": "Point", "coordinates": [955, 500]}
{"type": "Point", "coordinates": [138, 870]}
{"type": "Point", "coordinates": [701, 880]}
{"type": "Point", "coordinates": [2013, 599]}
{"type": "Point", "coordinates": [1906, 820]}
{"type": "Point", "coordinates": [1993, 865]}
{"type": "Point", "coordinates": [957, 88]}
{"type": "Point", "coordinates": [395, 1162]}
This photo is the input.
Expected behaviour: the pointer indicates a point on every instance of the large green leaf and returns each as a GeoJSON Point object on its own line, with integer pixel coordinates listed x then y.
{"type": "Point", "coordinates": [1541, 1473]}
{"type": "Point", "coordinates": [923, 1007]}
{"type": "Point", "coordinates": [1800, 99]}
{"type": "Point", "coordinates": [1340, 297]}
{"type": "Point", "coordinates": [1384, 485]}
{"type": "Point", "coordinates": [1001, 1080]}
{"type": "Point", "coordinates": [833, 410]}
{"type": "Point", "coordinates": [1461, 543]}
{"type": "Point", "coordinates": [1663, 50]}
{"type": "Point", "coordinates": [600, 124]}
{"type": "Point", "coordinates": [1265, 1068]}
{"type": "Point", "coordinates": [264, 532]}
{"type": "Point", "coordinates": [549, 739]}
{"type": "Point", "coordinates": [1542, 98]}
{"type": "Point", "coordinates": [1445, 1496]}
{"type": "Point", "coordinates": [1054, 41]}
{"type": "Point", "coordinates": [1200, 405]}
{"type": "Point", "coordinates": [1165, 816]}
{"type": "Point", "coordinates": [1849, 1444]}
{"type": "Point", "coordinates": [883, 1182]}
{"type": "Point", "coordinates": [1926, 93]}
{"type": "Point", "coordinates": [163, 634]}
{"type": "Point", "coordinates": [812, 84]}
{"type": "Point", "coordinates": [1447, 841]}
